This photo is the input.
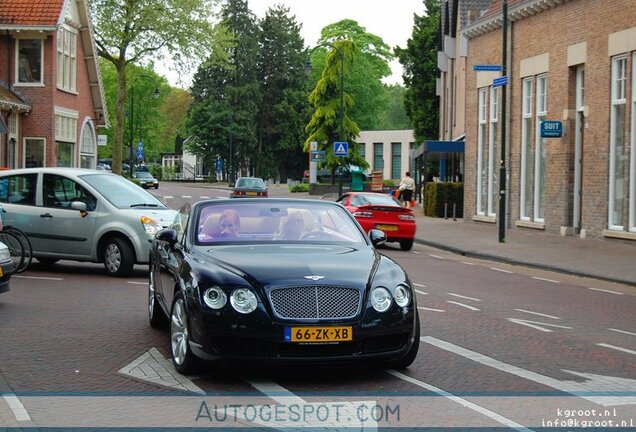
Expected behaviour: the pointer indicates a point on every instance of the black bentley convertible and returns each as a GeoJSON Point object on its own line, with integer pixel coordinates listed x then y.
{"type": "Point", "coordinates": [279, 280]}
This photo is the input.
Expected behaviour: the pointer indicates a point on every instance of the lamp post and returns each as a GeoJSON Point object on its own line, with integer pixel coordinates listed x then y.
{"type": "Point", "coordinates": [341, 132]}
{"type": "Point", "coordinates": [155, 94]}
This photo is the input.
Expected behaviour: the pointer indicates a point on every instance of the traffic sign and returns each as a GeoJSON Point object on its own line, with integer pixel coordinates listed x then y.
{"type": "Point", "coordinates": [318, 155]}
{"type": "Point", "coordinates": [551, 129]}
{"type": "Point", "coordinates": [501, 81]}
{"type": "Point", "coordinates": [487, 68]}
{"type": "Point", "coordinates": [340, 148]}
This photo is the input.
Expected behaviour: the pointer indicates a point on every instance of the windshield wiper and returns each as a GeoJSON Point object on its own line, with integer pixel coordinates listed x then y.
{"type": "Point", "coordinates": [144, 205]}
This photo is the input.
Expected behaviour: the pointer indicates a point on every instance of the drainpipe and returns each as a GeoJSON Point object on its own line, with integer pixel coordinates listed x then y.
{"type": "Point", "coordinates": [511, 82]}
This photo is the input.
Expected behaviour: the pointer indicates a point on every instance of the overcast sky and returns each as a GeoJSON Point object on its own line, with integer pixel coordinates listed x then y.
{"type": "Point", "coordinates": [392, 20]}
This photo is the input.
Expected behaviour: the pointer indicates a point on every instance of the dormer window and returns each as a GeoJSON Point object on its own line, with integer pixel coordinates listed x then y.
{"type": "Point", "coordinates": [66, 60]}
{"type": "Point", "coordinates": [29, 61]}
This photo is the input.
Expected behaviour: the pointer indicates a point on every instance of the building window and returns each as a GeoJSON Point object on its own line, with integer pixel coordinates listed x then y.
{"type": "Point", "coordinates": [527, 152]}
{"type": "Point", "coordinates": [65, 139]}
{"type": "Point", "coordinates": [493, 137]}
{"type": "Point", "coordinates": [617, 165]}
{"type": "Point", "coordinates": [34, 152]}
{"type": "Point", "coordinates": [29, 61]}
{"type": "Point", "coordinates": [482, 155]}
{"type": "Point", "coordinates": [12, 141]}
{"type": "Point", "coordinates": [378, 161]}
{"type": "Point", "coordinates": [396, 160]}
{"type": "Point", "coordinates": [632, 158]}
{"type": "Point", "coordinates": [66, 59]}
{"type": "Point", "coordinates": [88, 146]}
{"type": "Point", "coordinates": [541, 151]}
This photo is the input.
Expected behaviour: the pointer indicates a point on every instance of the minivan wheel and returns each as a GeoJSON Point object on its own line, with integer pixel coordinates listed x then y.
{"type": "Point", "coordinates": [118, 257]}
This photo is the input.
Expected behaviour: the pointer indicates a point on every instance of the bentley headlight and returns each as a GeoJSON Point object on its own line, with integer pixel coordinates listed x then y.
{"type": "Point", "coordinates": [150, 225]}
{"type": "Point", "coordinates": [380, 299]}
{"type": "Point", "coordinates": [5, 255]}
{"type": "Point", "coordinates": [402, 295]}
{"type": "Point", "coordinates": [214, 297]}
{"type": "Point", "coordinates": [243, 300]}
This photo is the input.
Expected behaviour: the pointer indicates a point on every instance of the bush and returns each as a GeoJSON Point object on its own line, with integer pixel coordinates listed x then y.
{"type": "Point", "coordinates": [300, 187]}
{"type": "Point", "coordinates": [437, 195]}
{"type": "Point", "coordinates": [388, 183]}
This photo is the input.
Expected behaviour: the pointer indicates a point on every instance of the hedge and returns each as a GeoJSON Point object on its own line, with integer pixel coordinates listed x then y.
{"type": "Point", "coordinates": [436, 195]}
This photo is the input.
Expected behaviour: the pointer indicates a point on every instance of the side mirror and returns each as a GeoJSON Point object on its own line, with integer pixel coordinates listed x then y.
{"type": "Point", "coordinates": [78, 205]}
{"type": "Point", "coordinates": [167, 235]}
{"type": "Point", "coordinates": [377, 237]}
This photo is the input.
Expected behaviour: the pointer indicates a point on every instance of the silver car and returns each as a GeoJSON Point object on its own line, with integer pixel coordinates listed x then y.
{"type": "Point", "coordinates": [83, 215]}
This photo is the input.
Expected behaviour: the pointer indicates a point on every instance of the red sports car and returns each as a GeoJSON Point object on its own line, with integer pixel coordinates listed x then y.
{"type": "Point", "coordinates": [383, 212]}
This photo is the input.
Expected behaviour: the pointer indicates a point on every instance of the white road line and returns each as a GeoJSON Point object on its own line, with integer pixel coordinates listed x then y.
{"type": "Point", "coordinates": [545, 280]}
{"type": "Point", "coordinates": [436, 256]}
{"type": "Point", "coordinates": [137, 283]}
{"type": "Point", "coordinates": [501, 270]}
{"type": "Point", "coordinates": [19, 412]}
{"type": "Point", "coordinates": [537, 325]}
{"type": "Point", "coordinates": [538, 313]}
{"type": "Point", "coordinates": [622, 331]}
{"type": "Point", "coordinates": [204, 197]}
{"type": "Point", "coordinates": [461, 401]}
{"type": "Point", "coordinates": [415, 252]}
{"type": "Point", "coordinates": [37, 277]}
{"type": "Point", "coordinates": [607, 291]}
{"type": "Point", "coordinates": [617, 348]}
{"type": "Point", "coordinates": [462, 305]}
{"type": "Point", "coordinates": [419, 285]}
{"type": "Point", "coordinates": [279, 393]}
{"type": "Point", "coordinates": [464, 297]}
{"type": "Point", "coordinates": [168, 196]}
{"type": "Point", "coordinates": [431, 309]}
{"type": "Point", "coordinates": [467, 263]}
{"type": "Point", "coordinates": [186, 196]}
{"type": "Point", "coordinates": [421, 292]}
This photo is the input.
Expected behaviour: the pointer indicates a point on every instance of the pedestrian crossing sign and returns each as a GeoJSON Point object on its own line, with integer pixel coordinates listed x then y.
{"type": "Point", "coordinates": [340, 148]}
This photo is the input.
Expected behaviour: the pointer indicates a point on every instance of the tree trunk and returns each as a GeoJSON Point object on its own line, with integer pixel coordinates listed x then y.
{"type": "Point", "coordinates": [119, 116]}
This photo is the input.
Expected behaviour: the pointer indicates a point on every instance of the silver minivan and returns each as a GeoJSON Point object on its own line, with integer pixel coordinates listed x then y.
{"type": "Point", "coordinates": [83, 215]}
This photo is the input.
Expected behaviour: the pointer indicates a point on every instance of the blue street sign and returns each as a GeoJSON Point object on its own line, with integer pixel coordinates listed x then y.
{"type": "Point", "coordinates": [340, 148]}
{"type": "Point", "coordinates": [501, 81]}
{"type": "Point", "coordinates": [487, 68]}
{"type": "Point", "coordinates": [318, 155]}
{"type": "Point", "coordinates": [551, 129]}
{"type": "Point", "coordinates": [140, 154]}
{"type": "Point", "coordinates": [140, 146]}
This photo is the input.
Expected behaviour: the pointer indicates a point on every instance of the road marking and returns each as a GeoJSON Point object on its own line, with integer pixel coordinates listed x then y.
{"type": "Point", "coordinates": [622, 331]}
{"type": "Point", "coordinates": [431, 309]}
{"type": "Point", "coordinates": [421, 292]}
{"type": "Point", "coordinates": [461, 401]}
{"type": "Point", "coordinates": [501, 270]}
{"type": "Point", "coordinates": [594, 384]}
{"type": "Point", "coordinates": [617, 348]}
{"type": "Point", "coordinates": [464, 297]}
{"type": "Point", "coordinates": [204, 197]}
{"type": "Point", "coordinates": [415, 252]}
{"type": "Point", "coordinates": [537, 313]}
{"type": "Point", "coordinates": [468, 263]}
{"type": "Point", "coordinates": [419, 285]}
{"type": "Point", "coordinates": [545, 280]}
{"type": "Point", "coordinates": [19, 412]}
{"type": "Point", "coordinates": [537, 325]}
{"type": "Point", "coordinates": [167, 196]}
{"type": "Point", "coordinates": [436, 256]}
{"type": "Point", "coordinates": [186, 196]}
{"type": "Point", "coordinates": [37, 277]}
{"type": "Point", "coordinates": [462, 305]}
{"type": "Point", "coordinates": [137, 283]}
{"type": "Point", "coordinates": [607, 291]}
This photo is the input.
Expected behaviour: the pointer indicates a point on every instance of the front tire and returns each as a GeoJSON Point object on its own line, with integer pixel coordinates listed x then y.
{"type": "Point", "coordinates": [156, 315]}
{"type": "Point", "coordinates": [119, 257]}
{"type": "Point", "coordinates": [410, 356]}
{"type": "Point", "coordinates": [183, 358]}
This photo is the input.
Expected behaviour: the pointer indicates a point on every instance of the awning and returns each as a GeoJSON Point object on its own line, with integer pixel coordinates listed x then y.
{"type": "Point", "coordinates": [444, 146]}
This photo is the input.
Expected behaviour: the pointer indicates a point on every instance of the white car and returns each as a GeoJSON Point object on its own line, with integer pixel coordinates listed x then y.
{"type": "Point", "coordinates": [6, 267]}
{"type": "Point", "coordinates": [83, 215]}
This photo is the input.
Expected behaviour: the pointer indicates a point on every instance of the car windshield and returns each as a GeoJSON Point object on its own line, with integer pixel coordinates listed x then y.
{"type": "Point", "coordinates": [120, 192]}
{"type": "Point", "coordinates": [280, 221]}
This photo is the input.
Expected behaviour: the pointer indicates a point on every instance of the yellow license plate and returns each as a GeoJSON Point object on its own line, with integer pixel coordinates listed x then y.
{"type": "Point", "coordinates": [1, 272]}
{"type": "Point", "coordinates": [387, 227]}
{"type": "Point", "coordinates": [318, 334]}
{"type": "Point", "coordinates": [250, 193]}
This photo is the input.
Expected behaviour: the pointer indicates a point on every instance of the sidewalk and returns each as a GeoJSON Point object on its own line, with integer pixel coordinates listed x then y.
{"type": "Point", "coordinates": [609, 260]}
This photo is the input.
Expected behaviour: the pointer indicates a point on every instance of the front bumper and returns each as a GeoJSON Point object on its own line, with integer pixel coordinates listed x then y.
{"type": "Point", "coordinates": [7, 270]}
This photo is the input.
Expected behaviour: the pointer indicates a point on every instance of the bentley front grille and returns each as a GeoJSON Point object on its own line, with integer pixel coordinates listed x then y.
{"type": "Point", "coordinates": [315, 302]}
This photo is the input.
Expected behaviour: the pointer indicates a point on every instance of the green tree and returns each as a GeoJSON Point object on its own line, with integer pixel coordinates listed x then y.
{"type": "Point", "coordinates": [394, 117]}
{"type": "Point", "coordinates": [325, 123]}
{"type": "Point", "coordinates": [173, 114]}
{"type": "Point", "coordinates": [419, 60]}
{"type": "Point", "coordinates": [130, 31]}
{"type": "Point", "coordinates": [284, 108]}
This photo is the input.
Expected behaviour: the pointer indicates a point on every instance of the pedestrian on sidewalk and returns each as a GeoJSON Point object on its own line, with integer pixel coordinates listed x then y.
{"type": "Point", "coordinates": [407, 186]}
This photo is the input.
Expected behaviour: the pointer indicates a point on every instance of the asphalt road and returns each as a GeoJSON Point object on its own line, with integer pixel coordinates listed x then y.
{"type": "Point", "coordinates": [502, 347]}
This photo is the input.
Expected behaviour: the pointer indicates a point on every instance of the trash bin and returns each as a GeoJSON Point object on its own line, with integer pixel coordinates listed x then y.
{"type": "Point", "coordinates": [357, 180]}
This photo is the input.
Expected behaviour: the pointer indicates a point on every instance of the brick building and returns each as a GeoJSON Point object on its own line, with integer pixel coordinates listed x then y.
{"type": "Point", "coordinates": [51, 97]}
{"type": "Point", "coordinates": [572, 61]}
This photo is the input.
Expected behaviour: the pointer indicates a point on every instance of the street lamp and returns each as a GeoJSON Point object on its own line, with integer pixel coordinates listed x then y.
{"type": "Point", "coordinates": [155, 94]}
{"type": "Point", "coordinates": [308, 69]}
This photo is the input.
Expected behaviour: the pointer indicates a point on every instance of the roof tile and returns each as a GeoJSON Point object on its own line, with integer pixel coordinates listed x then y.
{"type": "Point", "coordinates": [30, 12]}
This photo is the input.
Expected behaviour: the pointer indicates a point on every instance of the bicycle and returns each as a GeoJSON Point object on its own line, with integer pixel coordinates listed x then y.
{"type": "Point", "coordinates": [19, 246]}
